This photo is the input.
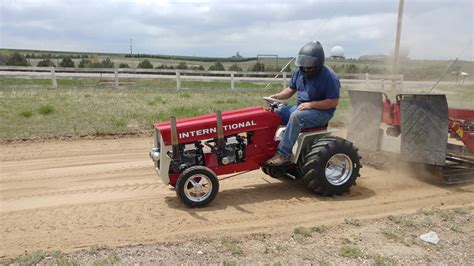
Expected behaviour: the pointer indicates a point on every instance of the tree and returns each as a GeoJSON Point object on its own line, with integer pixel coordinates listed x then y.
{"type": "Point", "coordinates": [66, 62]}
{"type": "Point", "coordinates": [352, 69]}
{"type": "Point", "coordinates": [182, 65]}
{"type": "Point", "coordinates": [17, 59]}
{"type": "Point", "coordinates": [45, 63]}
{"type": "Point", "coordinates": [84, 63]}
{"type": "Point", "coordinates": [145, 64]}
{"type": "Point", "coordinates": [235, 67]}
{"type": "Point", "coordinates": [3, 59]}
{"type": "Point", "coordinates": [200, 67]}
{"type": "Point", "coordinates": [257, 67]}
{"type": "Point", "coordinates": [218, 66]}
{"type": "Point", "coordinates": [124, 65]}
{"type": "Point", "coordinates": [107, 63]}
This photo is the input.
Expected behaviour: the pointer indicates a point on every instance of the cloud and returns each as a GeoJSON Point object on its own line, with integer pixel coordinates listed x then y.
{"type": "Point", "coordinates": [432, 29]}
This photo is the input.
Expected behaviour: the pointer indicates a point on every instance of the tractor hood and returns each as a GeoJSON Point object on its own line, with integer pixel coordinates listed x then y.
{"type": "Point", "coordinates": [234, 122]}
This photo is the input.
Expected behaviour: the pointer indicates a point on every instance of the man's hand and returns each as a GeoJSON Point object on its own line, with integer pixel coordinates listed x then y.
{"type": "Point", "coordinates": [284, 94]}
{"type": "Point", "coordinates": [304, 106]}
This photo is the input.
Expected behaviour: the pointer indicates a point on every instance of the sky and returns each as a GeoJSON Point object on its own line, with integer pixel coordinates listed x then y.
{"type": "Point", "coordinates": [435, 29]}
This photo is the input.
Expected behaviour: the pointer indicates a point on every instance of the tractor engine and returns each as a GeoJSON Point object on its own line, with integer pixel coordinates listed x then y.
{"type": "Point", "coordinates": [226, 143]}
{"type": "Point", "coordinates": [189, 155]}
{"type": "Point", "coordinates": [192, 154]}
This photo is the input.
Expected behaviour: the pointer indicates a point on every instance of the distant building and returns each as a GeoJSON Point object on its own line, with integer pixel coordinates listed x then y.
{"type": "Point", "coordinates": [237, 55]}
{"type": "Point", "coordinates": [375, 57]}
{"type": "Point", "coordinates": [337, 52]}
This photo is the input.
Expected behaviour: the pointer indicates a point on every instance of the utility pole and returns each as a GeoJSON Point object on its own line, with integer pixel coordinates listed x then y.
{"type": "Point", "coordinates": [396, 52]}
{"type": "Point", "coordinates": [131, 47]}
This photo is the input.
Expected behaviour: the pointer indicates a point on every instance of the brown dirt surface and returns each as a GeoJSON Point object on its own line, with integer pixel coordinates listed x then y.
{"type": "Point", "coordinates": [73, 195]}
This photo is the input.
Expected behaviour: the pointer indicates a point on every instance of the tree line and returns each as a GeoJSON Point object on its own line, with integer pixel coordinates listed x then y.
{"type": "Point", "coordinates": [193, 58]}
{"type": "Point", "coordinates": [18, 59]}
{"type": "Point", "coordinates": [424, 72]}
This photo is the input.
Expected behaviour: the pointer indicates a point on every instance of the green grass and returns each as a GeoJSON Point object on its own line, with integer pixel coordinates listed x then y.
{"type": "Point", "coordinates": [41, 112]}
{"type": "Point", "coordinates": [112, 259]}
{"type": "Point", "coordinates": [56, 257]}
{"type": "Point", "coordinates": [306, 232]}
{"type": "Point", "coordinates": [94, 249]}
{"type": "Point", "coordinates": [86, 108]}
{"type": "Point", "coordinates": [354, 222]}
{"type": "Point", "coordinates": [232, 245]}
{"type": "Point", "coordinates": [350, 252]}
{"type": "Point", "coordinates": [401, 221]}
{"type": "Point", "coordinates": [429, 211]}
{"type": "Point", "coordinates": [455, 228]}
{"type": "Point", "coordinates": [384, 261]}
{"type": "Point", "coordinates": [460, 211]}
{"type": "Point", "coordinates": [398, 235]}
{"type": "Point", "coordinates": [25, 113]}
{"type": "Point", "coordinates": [46, 109]}
{"type": "Point", "coordinates": [302, 231]}
{"type": "Point", "coordinates": [320, 229]}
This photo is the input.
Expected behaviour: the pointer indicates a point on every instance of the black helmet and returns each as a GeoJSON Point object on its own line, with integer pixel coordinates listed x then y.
{"type": "Point", "coordinates": [310, 55]}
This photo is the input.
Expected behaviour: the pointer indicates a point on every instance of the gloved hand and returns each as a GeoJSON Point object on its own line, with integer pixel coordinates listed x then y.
{"type": "Point", "coordinates": [274, 96]}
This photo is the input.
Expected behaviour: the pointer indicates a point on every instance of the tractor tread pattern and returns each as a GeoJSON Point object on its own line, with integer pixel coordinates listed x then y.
{"type": "Point", "coordinates": [313, 164]}
{"type": "Point", "coordinates": [424, 128]}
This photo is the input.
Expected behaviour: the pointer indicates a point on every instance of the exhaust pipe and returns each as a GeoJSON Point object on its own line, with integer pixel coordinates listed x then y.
{"type": "Point", "coordinates": [174, 137]}
{"type": "Point", "coordinates": [220, 131]}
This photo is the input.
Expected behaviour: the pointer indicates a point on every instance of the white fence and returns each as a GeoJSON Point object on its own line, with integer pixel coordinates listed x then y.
{"type": "Point", "coordinates": [115, 75]}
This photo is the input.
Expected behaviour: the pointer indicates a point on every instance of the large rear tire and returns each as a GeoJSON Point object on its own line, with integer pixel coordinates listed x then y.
{"type": "Point", "coordinates": [330, 166]}
{"type": "Point", "coordinates": [197, 186]}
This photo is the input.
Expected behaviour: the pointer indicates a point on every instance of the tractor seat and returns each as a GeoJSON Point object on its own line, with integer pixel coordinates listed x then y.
{"type": "Point", "coordinates": [314, 129]}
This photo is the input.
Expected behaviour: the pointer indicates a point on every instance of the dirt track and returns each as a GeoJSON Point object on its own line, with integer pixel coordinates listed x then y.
{"type": "Point", "coordinates": [72, 194]}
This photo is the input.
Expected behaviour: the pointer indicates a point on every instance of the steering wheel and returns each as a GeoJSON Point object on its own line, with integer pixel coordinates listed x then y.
{"type": "Point", "coordinates": [272, 101]}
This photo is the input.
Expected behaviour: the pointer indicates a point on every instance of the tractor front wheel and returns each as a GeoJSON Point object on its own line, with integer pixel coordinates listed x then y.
{"type": "Point", "coordinates": [197, 186]}
{"type": "Point", "coordinates": [330, 166]}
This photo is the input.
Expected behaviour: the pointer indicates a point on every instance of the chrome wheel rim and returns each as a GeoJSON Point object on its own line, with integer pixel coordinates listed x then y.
{"type": "Point", "coordinates": [338, 169]}
{"type": "Point", "coordinates": [198, 187]}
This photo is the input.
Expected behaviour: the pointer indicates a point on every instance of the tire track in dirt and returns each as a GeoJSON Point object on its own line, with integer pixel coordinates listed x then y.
{"type": "Point", "coordinates": [124, 202]}
{"type": "Point", "coordinates": [58, 172]}
{"type": "Point", "coordinates": [119, 188]}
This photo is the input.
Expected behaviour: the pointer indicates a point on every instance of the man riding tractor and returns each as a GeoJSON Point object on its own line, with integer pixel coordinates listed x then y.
{"type": "Point", "coordinates": [318, 95]}
{"type": "Point", "coordinates": [190, 153]}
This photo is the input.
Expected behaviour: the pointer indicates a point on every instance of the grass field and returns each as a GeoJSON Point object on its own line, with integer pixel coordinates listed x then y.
{"type": "Point", "coordinates": [27, 113]}
{"type": "Point", "coordinates": [89, 108]}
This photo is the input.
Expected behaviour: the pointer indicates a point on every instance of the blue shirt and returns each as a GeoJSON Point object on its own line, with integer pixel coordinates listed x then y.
{"type": "Point", "coordinates": [324, 85]}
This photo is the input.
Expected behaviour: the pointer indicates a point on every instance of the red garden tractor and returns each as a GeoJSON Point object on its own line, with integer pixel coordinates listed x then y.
{"type": "Point", "coordinates": [426, 130]}
{"type": "Point", "coordinates": [190, 153]}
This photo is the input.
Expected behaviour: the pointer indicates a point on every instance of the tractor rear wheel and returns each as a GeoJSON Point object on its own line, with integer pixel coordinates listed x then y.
{"type": "Point", "coordinates": [197, 186]}
{"type": "Point", "coordinates": [330, 166]}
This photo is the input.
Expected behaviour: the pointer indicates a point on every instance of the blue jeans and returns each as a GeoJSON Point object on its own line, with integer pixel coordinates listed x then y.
{"type": "Point", "coordinates": [295, 120]}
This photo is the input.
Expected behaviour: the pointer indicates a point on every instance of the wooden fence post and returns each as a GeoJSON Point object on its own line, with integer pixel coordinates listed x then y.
{"type": "Point", "coordinates": [178, 80]}
{"type": "Point", "coordinates": [232, 81]}
{"type": "Point", "coordinates": [284, 80]}
{"type": "Point", "coordinates": [382, 82]}
{"type": "Point", "coordinates": [53, 78]}
{"type": "Point", "coordinates": [116, 77]}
